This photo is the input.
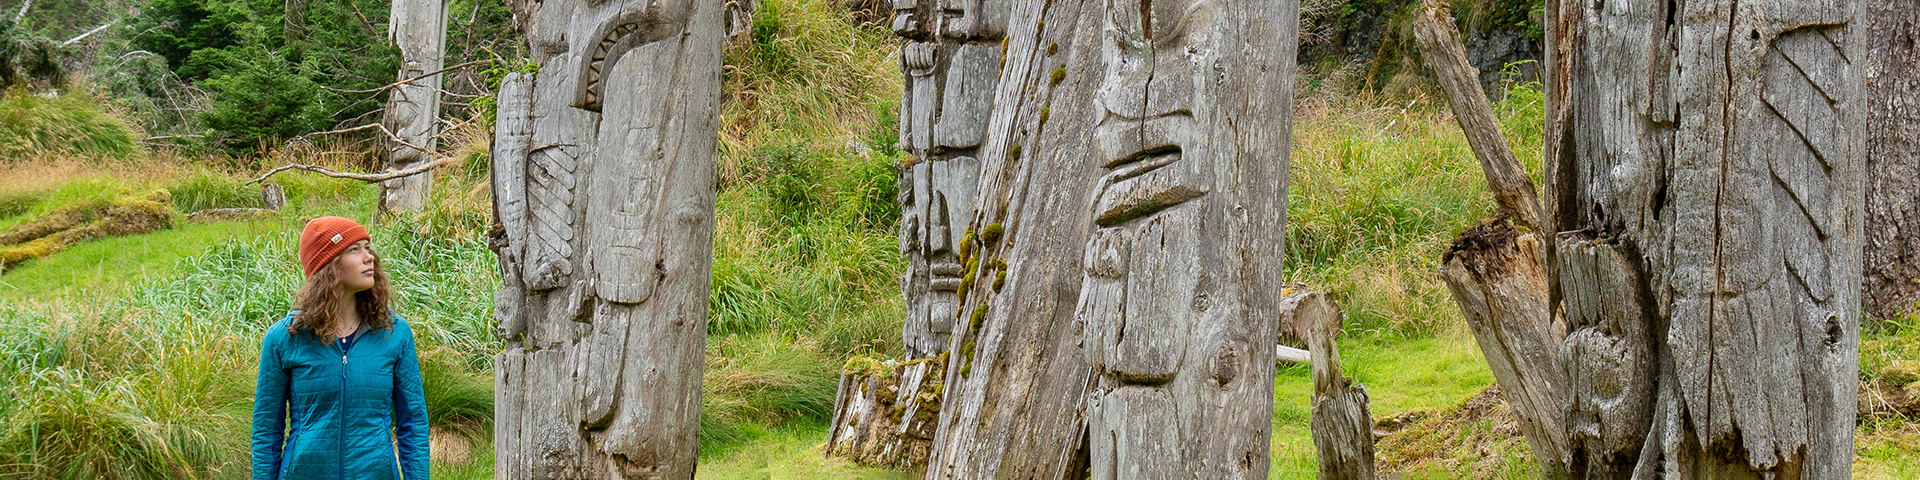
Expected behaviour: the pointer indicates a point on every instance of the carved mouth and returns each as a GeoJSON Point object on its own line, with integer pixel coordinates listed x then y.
{"type": "Point", "coordinates": [944, 277]}
{"type": "Point", "coordinates": [597, 63]}
{"type": "Point", "coordinates": [1139, 163]}
{"type": "Point", "coordinates": [1144, 185]}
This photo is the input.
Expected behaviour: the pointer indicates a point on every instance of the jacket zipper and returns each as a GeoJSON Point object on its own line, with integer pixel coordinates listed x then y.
{"type": "Point", "coordinates": [340, 446]}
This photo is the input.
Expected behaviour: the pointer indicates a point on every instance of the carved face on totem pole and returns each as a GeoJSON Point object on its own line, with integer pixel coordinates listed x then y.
{"type": "Point", "coordinates": [1145, 271]}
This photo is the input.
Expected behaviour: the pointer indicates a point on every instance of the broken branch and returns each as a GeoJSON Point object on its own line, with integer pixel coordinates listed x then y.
{"type": "Point", "coordinates": [89, 33]}
{"type": "Point", "coordinates": [1440, 46]}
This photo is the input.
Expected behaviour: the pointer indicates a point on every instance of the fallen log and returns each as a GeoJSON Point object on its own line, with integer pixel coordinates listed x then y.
{"type": "Point", "coordinates": [57, 230]}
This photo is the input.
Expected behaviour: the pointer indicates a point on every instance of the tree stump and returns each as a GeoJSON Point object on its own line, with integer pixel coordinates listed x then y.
{"type": "Point", "coordinates": [1499, 279]}
{"type": "Point", "coordinates": [1342, 426]}
{"type": "Point", "coordinates": [884, 413]}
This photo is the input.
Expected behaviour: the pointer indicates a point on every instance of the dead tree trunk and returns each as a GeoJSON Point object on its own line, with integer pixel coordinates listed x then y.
{"type": "Point", "coordinates": [1447, 59]}
{"type": "Point", "coordinates": [1499, 279]}
{"type": "Point", "coordinates": [1342, 426]}
{"type": "Point", "coordinates": [603, 184]}
{"type": "Point", "coordinates": [1159, 365]}
{"type": "Point", "coordinates": [1707, 184]}
{"type": "Point", "coordinates": [419, 29]}
{"type": "Point", "coordinates": [1893, 157]}
{"type": "Point", "coordinates": [1496, 273]}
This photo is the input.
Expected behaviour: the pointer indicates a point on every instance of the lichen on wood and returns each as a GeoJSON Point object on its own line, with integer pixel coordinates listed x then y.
{"type": "Point", "coordinates": [884, 412]}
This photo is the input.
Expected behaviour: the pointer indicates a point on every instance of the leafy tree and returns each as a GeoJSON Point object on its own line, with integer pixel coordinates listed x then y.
{"type": "Point", "coordinates": [265, 86]}
{"type": "Point", "coordinates": [27, 57]}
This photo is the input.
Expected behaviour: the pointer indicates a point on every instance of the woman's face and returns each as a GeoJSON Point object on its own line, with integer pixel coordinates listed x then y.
{"type": "Point", "coordinates": [356, 267]}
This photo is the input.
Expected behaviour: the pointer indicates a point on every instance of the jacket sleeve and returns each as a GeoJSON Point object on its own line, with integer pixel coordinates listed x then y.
{"type": "Point", "coordinates": [269, 410]}
{"type": "Point", "coordinates": [410, 410]}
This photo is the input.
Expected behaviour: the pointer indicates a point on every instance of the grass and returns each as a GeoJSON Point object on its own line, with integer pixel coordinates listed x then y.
{"type": "Point", "coordinates": [804, 267]}
{"type": "Point", "coordinates": [133, 356]}
{"type": "Point", "coordinates": [108, 266]}
{"type": "Point", "coordinates": [149, 384]}
{"type": "Point", "coordinates": [72, 123]}
{"type": "Point", "coordinates": [789, 451]}
{"type": "Point", "coordinates": [127, 350]}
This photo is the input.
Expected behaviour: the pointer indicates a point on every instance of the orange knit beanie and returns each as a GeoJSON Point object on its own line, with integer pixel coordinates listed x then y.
{"type": "Point", "coordinates": [326, 237]}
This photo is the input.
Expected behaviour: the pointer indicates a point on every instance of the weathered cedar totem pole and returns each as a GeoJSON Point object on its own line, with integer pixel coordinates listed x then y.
{"type": "Point", "coordinates": [1705, 175]}
{"type": "Point", "coordinates": [604, 190]}
{"type": "Point", "coordinates": [1706, 178]}
{"type": "Point", "coordinates": [952, 62]}
{"type": "Point", "coordinates": [1118, 282]}
{"type": "Point", "coordinates": [884, 417]}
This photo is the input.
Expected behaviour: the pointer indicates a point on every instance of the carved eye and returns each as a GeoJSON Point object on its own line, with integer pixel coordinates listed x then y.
{"type": "Point", "coordinates": [1128, 19]}
{"type": "Point", "coordinates": [1140, 24]}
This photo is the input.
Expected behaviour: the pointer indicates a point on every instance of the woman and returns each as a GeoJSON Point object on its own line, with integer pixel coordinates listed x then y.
{"type": "Point", "coordinates": [343, 366]}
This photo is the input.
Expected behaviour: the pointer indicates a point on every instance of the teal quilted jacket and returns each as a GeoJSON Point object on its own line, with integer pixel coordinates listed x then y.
{"type": "Point", "coordinates": [321, 413]}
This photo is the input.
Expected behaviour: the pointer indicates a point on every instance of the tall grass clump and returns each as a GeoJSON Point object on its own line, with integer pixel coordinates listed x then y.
{"type": "Point", "coordinates": [68, 124]}
{"type": "Point", "coordinates": [806, 256]}
{"type": "Point", "coordinates": [1378, 189]}
{"type": "Point", "coordinates": [206, 189]}
{"type": "Point", "coordinates": [159, 383]}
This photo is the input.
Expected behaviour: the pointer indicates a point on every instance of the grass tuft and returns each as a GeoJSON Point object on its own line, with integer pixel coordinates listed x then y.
{"type": "Point", "coordinates": [67, 124]}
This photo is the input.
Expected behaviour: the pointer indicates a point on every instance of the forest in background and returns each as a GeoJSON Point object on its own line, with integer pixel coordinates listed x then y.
{"type": "Point", "coordinates": [198, 97]}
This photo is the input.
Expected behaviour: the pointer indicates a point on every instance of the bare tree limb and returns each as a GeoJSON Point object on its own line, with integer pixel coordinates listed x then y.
{"type": "Point", "coordinates": [1288, 354]}
{"type": "Point", "coordinates": [22, 14]}
{"type": "Point", "coordinates": [410, 80]}
{"type": "Point", "coordinates": [89, 33]}
{"type": "Point", "coordinates": [365, 177]}
{"type": "Point", "coordinates": [123, 56]}
{"type": "Point", "coordinates": [168, 138]}
{"type": "Point", "coordinates": [364, 23]}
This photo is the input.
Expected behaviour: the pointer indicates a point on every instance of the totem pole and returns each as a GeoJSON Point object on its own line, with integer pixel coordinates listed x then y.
{"type": "Point", "coordinates": [952, 62]}
{"type": "Point", "coordinates": [604, 190]}
{"type": "Point", "coordinates": [1705, 175]}
{"type": "Point", "coordinates": [1179, 298]}
{"type": "Point", "coordinates": [1124, 302]}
